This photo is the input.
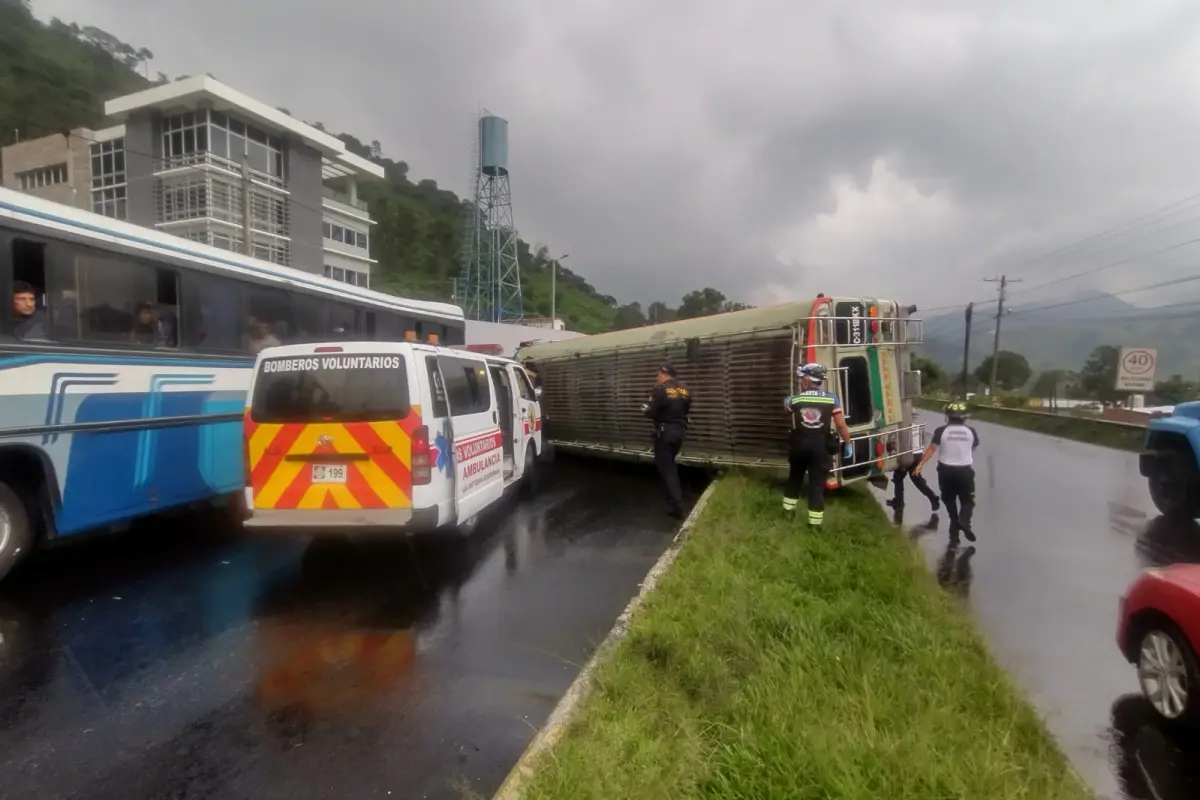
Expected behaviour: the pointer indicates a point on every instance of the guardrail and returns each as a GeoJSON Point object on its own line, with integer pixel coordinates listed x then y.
{"type": "Point", "coordinates": [1108, 433]}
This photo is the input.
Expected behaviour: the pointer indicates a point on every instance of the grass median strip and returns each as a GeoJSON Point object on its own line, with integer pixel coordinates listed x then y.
{"type": "Point", "coordinates": [774, 662]}
{"type": "Point", "coordinates": [1100, 432]}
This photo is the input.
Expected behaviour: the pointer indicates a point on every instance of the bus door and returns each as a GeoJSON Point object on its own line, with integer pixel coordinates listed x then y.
{"type": "Point", "coordinates": [478, 444]}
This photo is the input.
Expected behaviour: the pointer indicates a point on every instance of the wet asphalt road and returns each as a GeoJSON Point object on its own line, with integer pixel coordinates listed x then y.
{"type": "Point", "coordinates": [1063, 528]}
{"type": "Point", "coordinates": [188, 662]}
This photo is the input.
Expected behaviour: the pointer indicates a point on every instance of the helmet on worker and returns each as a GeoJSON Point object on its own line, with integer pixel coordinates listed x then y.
{"type": "Point", "coordinates": [956, 412]}
{"type": "Point", "coordinates": [812, 372]}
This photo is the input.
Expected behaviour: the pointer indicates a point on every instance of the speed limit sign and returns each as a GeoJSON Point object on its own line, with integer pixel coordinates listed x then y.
{"type": "Point", "coordinates": [1135, 370]}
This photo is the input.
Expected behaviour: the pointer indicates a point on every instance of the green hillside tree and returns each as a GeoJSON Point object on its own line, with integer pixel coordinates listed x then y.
{"type": "Point", "coordinates": [1012, 371]}
{"type": "Point", "coordinates": [933, 377]}
{"type": "Point", "coordinates": [1098, 378]}
{"type": "Point", "coordinates": [1173, 391]}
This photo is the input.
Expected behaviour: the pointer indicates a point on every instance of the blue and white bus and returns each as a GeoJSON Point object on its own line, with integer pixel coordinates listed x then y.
{"type": "Point", "coordinates": [125, 355]}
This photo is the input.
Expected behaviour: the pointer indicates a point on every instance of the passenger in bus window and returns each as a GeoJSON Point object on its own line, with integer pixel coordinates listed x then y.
{"type": "Point", "coordinates": [259, 336]}
{"type": "Point", "coordinates": [29, 321]}
{"type": "Point", "coordinates": [151, 327]}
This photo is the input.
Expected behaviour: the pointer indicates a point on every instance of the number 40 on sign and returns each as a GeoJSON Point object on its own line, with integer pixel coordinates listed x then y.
{"type": "Point", "coordinates": [1135, 370]}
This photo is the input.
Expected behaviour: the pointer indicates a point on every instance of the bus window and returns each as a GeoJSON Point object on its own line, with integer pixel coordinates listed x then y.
{"type": "Point", "coordinates": [343, 322]}
{"type": "Point", "coordinates": [268, 318]}
{"type": "Point", "coordinates": [30, 320]}
{"type": "Point", "coordinates": [213, 318]}
{"type": "Point", "coordinates": [857, 401]}
{"type": "Point", "coordinates": [112, 298]}
{"type": "Point", "coordinates": [389, 327]}
{"type": "Point", "coordinates": [310, 317]}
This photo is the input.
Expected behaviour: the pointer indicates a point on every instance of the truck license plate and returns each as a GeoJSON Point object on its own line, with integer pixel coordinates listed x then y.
{"type": "Point", "coordinates": [328, 473]}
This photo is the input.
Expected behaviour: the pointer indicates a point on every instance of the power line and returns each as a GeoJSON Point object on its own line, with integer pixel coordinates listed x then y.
{"type": "Point", "coordinates": [1132, 224]}
{"type": "Point", "coordinates": [1148, 287]}
{"type": "Point", "coordinates": [1122, 229]}
{"type": "Point", "coordinates": [1095, 270]}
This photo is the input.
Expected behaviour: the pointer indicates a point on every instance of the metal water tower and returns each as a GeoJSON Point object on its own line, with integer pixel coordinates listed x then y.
{"type": "Point", "coordinates": [490, 278]}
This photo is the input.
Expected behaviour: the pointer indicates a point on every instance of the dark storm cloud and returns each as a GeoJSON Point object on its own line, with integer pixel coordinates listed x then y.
{"type": "Point", "coordinates": [904, 147]}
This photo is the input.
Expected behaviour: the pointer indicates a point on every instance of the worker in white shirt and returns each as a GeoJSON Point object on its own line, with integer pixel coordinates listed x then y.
{"type": "Point", "coordinates": [955, 444]}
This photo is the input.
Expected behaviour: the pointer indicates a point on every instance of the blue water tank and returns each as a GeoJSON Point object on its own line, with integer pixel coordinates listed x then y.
{"type": "Point", "coordinates": [493, 138]}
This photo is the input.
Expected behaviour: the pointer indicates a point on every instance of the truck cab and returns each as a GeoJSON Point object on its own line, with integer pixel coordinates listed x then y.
{"type": "Point", "coordinates": [1170, 461]}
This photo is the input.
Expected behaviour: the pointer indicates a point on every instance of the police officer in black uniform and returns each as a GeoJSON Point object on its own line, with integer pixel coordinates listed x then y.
{"type": "Point", "coordinates": [813, 411]}
{"type": "Point", "coordinates": [668, 409]}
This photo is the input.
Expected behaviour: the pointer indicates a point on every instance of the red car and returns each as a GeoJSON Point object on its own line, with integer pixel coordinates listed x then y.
{"type": "Point", "coordinates": [1159, 631]}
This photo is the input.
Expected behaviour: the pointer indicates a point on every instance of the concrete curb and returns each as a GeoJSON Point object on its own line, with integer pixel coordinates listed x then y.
{"type": "Point", "coordinates": [556, 724]}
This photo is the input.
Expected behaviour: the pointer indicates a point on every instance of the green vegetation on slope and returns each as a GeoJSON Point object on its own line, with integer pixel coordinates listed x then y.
{"type": "Point", "coordinates": [771, 662]}
{"type": "Point", "coordinates": [56, 76]}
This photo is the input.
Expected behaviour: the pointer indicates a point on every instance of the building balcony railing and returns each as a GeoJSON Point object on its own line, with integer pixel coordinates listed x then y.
{"type": "Point", "coordinates": [199, 160]}
{"type": "Point", "coordinates": [344, 198]}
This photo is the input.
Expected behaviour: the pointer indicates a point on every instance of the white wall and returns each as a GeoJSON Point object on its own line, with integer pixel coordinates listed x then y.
{"type": "Point", "coordinates": [511, 336]}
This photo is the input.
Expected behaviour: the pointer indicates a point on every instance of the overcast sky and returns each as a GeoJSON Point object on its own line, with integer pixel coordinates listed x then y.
{"type": "Point", "coordinates": [769, 148]}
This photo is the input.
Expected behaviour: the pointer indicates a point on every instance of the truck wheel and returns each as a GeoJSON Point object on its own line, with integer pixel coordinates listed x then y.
{"type": "Point", "coordinates": [16, 532]}
{"type": "Point", "coordinates": [1173, 485]}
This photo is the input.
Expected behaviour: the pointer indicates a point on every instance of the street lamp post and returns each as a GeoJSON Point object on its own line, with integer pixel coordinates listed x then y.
{"type": "Point", "coordinates": [554, 289]}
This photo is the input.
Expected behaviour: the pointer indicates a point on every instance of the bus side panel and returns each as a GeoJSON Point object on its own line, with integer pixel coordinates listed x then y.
{"type": "Point", "coordinates": [105, 477]}
{"type": "Point", "coordinates": [111, 476]}
{"type": "Point", "coordinates": [221, 445]}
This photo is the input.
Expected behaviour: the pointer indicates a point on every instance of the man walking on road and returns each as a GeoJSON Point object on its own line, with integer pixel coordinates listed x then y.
{"type": "Point", "coordinates": [813, 411]}
{"type": "Point", "coordinates": [955, 444]}
{"type": "Point", "coordinates": [668, 409]}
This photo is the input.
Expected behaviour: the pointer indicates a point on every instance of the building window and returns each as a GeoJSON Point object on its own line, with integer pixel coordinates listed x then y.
{"type": "Point", "coordinates": [268, 213]}
{"type": "Point", "coordinates": [109, 181]}
{"type": "Point", "coordinates": [108, 163]}
{"type": "Point", "coordinates": [232, 140]}
{"type": "Point", "coordinates": [344, 235]}
{"type": "Point", "coordinates": [196, 136]}
{"type": "Point", "coordinates": [109, 202]}
{"type": "Point", "coordinates": [186, 199]}
{"type": "Point", "coordinates": [350, 276]}
{"type": "Point", "coordinates": [185, 138]}
{"type": "Point", "coordinates": [43, 176]}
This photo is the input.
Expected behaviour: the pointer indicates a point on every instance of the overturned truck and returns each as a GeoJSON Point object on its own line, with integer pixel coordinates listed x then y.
{"type": "Point", "coordinates": [739, 368]}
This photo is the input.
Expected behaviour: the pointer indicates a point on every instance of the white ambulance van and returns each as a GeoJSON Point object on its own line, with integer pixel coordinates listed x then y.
{"type": "Point", "coordinates": [346, 437]}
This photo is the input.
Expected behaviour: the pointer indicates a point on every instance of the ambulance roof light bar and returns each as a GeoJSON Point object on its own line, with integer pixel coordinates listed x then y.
{"type": "Point", "coordinates": [485, 349]}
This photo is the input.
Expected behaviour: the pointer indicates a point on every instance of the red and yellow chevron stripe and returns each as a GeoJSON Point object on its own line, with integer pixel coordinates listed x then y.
{"type": "Point", "coordinates": [280, 459]}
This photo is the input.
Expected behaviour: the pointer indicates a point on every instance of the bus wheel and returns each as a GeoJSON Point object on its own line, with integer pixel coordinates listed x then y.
{"type": "Point", "coordinates": [16, 532]}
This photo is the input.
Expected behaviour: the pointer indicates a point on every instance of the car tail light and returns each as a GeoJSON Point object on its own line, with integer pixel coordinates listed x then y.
{"type": "Point", "coordinates": [420, 461]}
{"type": "Point", "coordinates": [329, 348]}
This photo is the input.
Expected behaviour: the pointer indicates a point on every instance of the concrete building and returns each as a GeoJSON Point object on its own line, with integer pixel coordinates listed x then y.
{"type": "Point", "coordinates": [191, 157]}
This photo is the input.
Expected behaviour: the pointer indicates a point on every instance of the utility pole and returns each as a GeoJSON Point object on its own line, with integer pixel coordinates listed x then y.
{"type": "Point", "coordinates": [247, 246]}
{"type": "Point", "coordinates": [1003, 281]}
{"type": "Point", "coordinates": [967, 350]}
{"type": "Point", "coordinates": [554, 289]}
